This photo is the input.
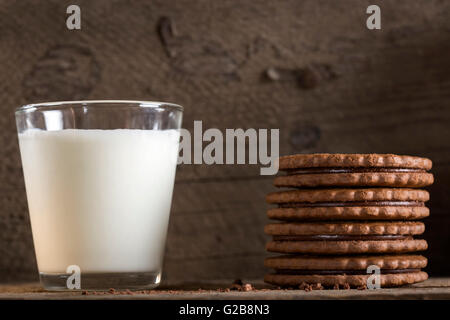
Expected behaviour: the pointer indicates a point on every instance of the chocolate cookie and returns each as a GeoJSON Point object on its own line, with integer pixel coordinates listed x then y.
{"type": "Point", "coordinates": [346, 170]}
{"type": "Point", "coordinates": [305, 263]}
{"type": "Point", "coordinates": [348, 212]}
{"type": "Point", "coordinates": [349, 204]}
{"type": "Point", "coordinates": [350, 228]}
{"type": "Point", "coordinates": [336, 247]}
{"type": "Point", "coordinates": [327, 160]}
{"type": "Point", "coordinates": [345, 270]}
{"type": "Point", "coordinates": [348, 195]}
{"type": "Point", "coordinates": [345, 237]}
{"type": "Point", "coordinates": [345, 280]}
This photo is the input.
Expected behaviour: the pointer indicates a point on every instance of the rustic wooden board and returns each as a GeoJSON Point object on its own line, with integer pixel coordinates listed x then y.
{"type": "Point", "coordinates": [438, 288]}
{"type": "Point", "coordinates": [371, 91]}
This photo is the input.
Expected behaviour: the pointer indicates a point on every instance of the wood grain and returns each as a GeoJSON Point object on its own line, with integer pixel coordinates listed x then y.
{"type": "Point", "coordinates": [337, 87]}
{"type": "Point", "coordinates": [433, 288]}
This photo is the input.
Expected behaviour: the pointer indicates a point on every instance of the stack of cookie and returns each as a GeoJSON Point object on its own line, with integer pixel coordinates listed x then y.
{"type": "Point", "coordinates": [348, 212]}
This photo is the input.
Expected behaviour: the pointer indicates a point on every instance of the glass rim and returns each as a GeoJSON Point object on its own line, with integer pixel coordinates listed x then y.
{"type": "Point", "coordinates": [86, 103]}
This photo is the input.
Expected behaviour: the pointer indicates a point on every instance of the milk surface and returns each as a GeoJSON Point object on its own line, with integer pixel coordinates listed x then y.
{"type": "Point", "coordinates": [99, 199]}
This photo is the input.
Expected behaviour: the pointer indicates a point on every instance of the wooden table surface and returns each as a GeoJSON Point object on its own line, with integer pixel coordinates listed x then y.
{"type": "Point", "coordinates": [434, 288]}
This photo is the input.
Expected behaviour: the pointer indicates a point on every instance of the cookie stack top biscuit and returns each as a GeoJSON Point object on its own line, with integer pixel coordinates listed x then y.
{"type": "Point", "coordinates": [348, 204]}
{"type": "Point", "coordinates": [341, 170]}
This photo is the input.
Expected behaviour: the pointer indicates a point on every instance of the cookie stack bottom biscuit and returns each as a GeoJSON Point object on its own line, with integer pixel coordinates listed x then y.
{"type": "Point", "coordinates": [331, 236]}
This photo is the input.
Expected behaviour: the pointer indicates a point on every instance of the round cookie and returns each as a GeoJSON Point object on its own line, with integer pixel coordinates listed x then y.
{"type": "Point", "coordinates": [402, 228]}
{"type": "Point", "coordinates": [345, 237]}
{"type": "Point", "coordinates": [349, 213]}
{"type": "Point", "coordinates": [335, 247]}
{"type": "Point", "coordinates": [349, 204]}
{"type": "Point", "coordinates": [330, 160]}
{"type": "Point", "coordinates": [344, 270]}
{"type": "Point", "coordinates": [347, 170]}
{"type": "Point", "coordinates": [301, 262]}
{"type": "Point", "coordinates": [355, 281]}
{"type": "Point", "coordinates": [367, 195]}
{"type": "Point", "coordinates": [363, 179]}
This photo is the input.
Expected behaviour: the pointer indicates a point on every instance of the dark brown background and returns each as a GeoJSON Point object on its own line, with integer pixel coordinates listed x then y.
{"type": "Point", "coordinates": [342, 88]}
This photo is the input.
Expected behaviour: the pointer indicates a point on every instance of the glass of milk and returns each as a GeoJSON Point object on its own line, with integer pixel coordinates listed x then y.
{"type": "Point", "coordinates": [99, 178]}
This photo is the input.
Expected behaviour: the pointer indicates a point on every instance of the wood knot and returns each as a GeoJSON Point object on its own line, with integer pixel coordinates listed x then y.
{"type": "Point", "coordinates": [67, 72]}
{"type": "Point", "coordinates": [306, 78]}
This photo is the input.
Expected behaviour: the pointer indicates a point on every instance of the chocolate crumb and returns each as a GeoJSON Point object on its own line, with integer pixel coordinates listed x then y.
{"type": "Point", "coordinates": [362, 287]}
{"type": "Point", "coordinates": [305, 286]}
{"type": "Point", "coordinates": [302, 285]}
{"type": "Point", "coordinates": [317, 286]}
{"type": "Point", "coordinates": [247, 287]}
{"type": "Point", "coordinates": [235, 287]}
{"type": "Point", "coordinates": [238, 285]}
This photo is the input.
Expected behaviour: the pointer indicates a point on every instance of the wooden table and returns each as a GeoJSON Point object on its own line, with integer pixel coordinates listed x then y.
{"type": "Point", "coordinates": [434, 288]}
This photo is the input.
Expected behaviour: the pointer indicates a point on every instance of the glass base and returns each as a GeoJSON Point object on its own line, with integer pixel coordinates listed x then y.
{"type": "Point", "coordinates": [100, 281]}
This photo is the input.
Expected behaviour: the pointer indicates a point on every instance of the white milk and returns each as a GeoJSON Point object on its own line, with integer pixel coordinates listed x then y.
{"type": "Point", "coordinates": [99, 199]}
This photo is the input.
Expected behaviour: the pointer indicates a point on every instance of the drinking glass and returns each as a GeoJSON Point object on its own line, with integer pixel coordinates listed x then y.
{"type": "Point", "coordinates": [99, 178]}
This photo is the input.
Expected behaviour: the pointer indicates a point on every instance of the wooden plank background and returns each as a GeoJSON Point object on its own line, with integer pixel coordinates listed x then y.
{"type": "Point", "coordinates": [342, 88]}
